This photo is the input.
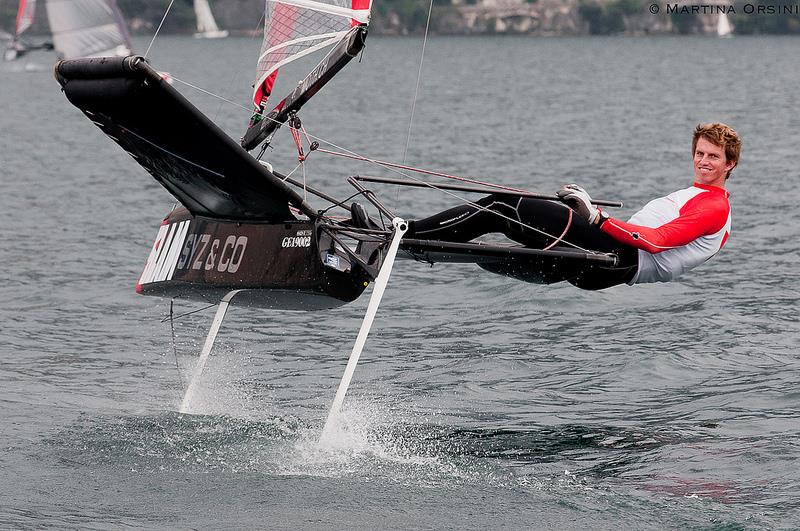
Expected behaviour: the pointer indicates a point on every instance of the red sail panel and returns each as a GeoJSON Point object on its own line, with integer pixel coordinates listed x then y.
{"type": "Point", "coordinates": [25, 15]}
{"type": "Point", "coordinates": [359, 5]}
{"type": "Point", "coordinates": [264, 90]}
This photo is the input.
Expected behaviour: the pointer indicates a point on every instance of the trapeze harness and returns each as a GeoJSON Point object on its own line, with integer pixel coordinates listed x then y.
{"type": "Point", "coordinates": [666, 238]}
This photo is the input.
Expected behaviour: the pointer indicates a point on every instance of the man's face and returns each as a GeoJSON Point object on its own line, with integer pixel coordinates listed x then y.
{"type": "Point", "coordinates": [710, 164]}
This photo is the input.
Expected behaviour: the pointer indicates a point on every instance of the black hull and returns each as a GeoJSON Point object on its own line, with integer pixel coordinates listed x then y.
{"type": "Point", "coordinates": [291, 266]}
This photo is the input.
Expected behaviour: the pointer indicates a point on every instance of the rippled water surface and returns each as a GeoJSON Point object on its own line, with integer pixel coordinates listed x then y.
{"type": "Point", "coordinates": [479, 401]}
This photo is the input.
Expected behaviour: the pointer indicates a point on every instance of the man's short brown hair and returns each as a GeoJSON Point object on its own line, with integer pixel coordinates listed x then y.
{"type": "Point", "coordinates": [721, 135]}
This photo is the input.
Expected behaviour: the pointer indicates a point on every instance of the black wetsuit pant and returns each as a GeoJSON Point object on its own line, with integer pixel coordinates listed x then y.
{"type": "Point", "coordinates": [549, 219]}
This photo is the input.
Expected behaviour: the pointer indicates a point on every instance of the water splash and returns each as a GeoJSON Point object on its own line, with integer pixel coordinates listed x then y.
{"type": "Point", "coordinates": [376, 440]}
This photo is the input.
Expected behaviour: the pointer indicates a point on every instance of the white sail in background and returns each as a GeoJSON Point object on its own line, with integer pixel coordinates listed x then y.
{"type": "Point", "coordinates": [88, 28]}
{"type": "Point", "coordinates": [296, 28]}
{"type": "Point", "coordinates": [724, 28]}
{"type": "Point", "coordinates": [206, 25]}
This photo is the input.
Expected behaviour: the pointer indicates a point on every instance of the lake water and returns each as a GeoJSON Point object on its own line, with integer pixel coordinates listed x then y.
{"type": "Point", "coordinates": [480, 402]}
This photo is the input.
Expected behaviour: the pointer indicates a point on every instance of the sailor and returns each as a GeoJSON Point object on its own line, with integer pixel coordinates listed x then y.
{"type": "Point", "coordinates": [666, 238]}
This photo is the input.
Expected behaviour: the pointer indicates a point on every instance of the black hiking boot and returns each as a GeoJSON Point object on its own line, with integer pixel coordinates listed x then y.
{"type": "Point", "coordinates": [360, 219]}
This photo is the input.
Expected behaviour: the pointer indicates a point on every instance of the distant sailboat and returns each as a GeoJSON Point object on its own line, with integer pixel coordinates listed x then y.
{"type": "Point", "coordinates": [724, 28]}
{"type": "Point", "coordinates": [18, 46]}
{"type": "Point", "coordinates": [80, 28]}
{"type": "Point", "coordinates": [206, 25]}
{"type": "Point", "coordinates": [88, 28]}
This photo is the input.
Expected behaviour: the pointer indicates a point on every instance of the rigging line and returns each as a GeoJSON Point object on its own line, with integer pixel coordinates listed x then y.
{"type": "Point", "coordinates": [305, 192]}
{"type": "Point", "coordinates": [460, 198]}
{"type": "Point", "coordinates": [291, 172]}
{"type": "Point", "coordinates": [464, 200]}
{"type": "Point", "coordinates": [419, 77]}
{"type": "Point", "coordinates": [426, 172]}
{"type": "Point", "coordinates": [164, 320]}
{"type": "Point", "coordinates": [235, 80]}
{"type": "Point", "coordinates": [342, 202]}
{"type": "Point", "coordinates": [204, 91]}
{"type": "Point", "coordinates": [174, 347]}
{"type": "Point", "coordinates": [159, 27]}
{"type": "Point", "coordinates": [391, 166]}
{"type": "Point", "coordinates": [447, 192]}
{"type": "Point", "coordinates": [560, 238]}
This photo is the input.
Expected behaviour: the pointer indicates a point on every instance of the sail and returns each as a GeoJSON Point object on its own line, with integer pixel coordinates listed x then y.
{"type": "Point", "coordinates": [24, 16]}
{"type": "Point", "coordinates": [724, 28]}
{"type": "Point", "coordinates": [88, 28]}
{"type": "Point", "coordinates": [206, 25]}
{"type": "Point", "coordinates": [296, 28]}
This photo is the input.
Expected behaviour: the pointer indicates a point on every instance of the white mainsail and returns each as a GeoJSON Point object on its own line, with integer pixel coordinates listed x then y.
{"type": "Point", "coordinates": [724, 28]}
{"type": "Point", "coordinates": [296, 28]}
{"type": "Point", "coordinates": [88, 28]}
{"type": "Point", "coordinates": [206, 25]}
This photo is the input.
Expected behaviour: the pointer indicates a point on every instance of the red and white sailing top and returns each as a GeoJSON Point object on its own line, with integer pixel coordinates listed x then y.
{"type": "Point", "coordinates": [675, 233]}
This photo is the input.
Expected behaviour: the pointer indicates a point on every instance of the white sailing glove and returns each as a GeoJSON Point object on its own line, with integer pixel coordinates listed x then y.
{"type": "Point", "coordinates": [578, 200]}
